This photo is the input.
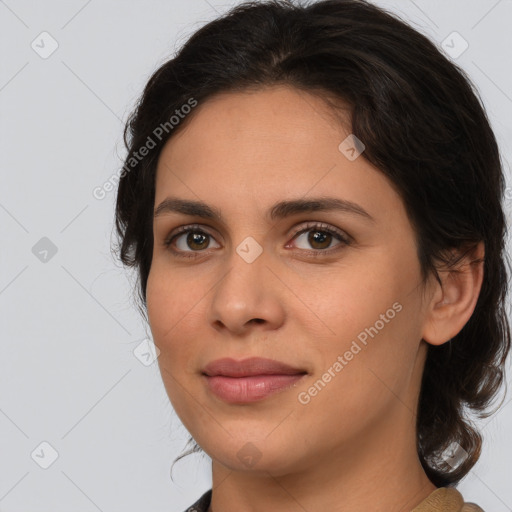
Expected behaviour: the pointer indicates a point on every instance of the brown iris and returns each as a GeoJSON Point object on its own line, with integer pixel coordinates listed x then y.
{"type": "Point", "coordinates": [195, 238]}
{"type": "Point", "coordinates": [319, 237]}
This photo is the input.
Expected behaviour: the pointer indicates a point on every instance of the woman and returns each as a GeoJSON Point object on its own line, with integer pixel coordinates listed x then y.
{"type": "Point", "coordinates": [312, 200]}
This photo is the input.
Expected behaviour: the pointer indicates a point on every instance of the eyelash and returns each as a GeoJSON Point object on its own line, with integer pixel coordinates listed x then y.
{"type": "Point", "coordinates": [313, 226]}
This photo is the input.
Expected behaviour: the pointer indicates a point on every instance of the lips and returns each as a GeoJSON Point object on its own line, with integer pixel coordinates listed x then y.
{"type": "Point", "coordinates": [228, 367]}
{"type": "Point", "coordinates": [249, 380]}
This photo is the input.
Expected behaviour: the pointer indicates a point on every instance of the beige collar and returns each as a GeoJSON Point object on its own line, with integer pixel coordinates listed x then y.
{"type": "Point", "coordinates": [445, 499]}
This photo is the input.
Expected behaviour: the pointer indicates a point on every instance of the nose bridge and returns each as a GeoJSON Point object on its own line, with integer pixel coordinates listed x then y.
{"type": "Point", "coordinates": [241, 286]}
{"type": "Point", "coordinates": [245, 292]}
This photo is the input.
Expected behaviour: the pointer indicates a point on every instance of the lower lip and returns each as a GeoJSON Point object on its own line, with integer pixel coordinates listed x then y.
{"type": "Point", "coordinates": [249, 389]}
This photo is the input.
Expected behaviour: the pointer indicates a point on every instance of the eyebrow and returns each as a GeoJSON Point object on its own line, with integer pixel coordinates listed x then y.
{"type": "Point", "coordinates": [279, 210]}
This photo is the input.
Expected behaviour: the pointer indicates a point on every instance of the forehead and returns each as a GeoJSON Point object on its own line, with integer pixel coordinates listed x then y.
{"type": "Point", "coordinates": [240, 148]}
{"type": "Point", "coordinates": [274, 115]}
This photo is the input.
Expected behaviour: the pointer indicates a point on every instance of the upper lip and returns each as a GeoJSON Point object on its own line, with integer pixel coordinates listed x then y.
{"type": "Point", "coordinates": [246, 367]}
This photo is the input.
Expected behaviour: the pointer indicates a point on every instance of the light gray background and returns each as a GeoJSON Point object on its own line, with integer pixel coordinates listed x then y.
{"type": "Point", "coordinates": [68, 373]}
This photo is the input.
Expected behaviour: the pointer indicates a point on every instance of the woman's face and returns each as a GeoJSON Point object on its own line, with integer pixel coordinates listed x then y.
{"type": "Point", "coordinates": [344, 306]}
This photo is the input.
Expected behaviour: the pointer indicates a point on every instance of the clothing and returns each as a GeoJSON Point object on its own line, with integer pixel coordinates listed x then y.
{"type": "Point", "coordinates": [444, 499]}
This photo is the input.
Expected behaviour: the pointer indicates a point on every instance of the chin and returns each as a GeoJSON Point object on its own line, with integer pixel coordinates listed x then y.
{"type": "Point", "coordinates": [257, 455]}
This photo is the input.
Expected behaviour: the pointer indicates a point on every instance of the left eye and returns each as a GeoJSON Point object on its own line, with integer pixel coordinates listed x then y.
{"type": "Point", "coordinates": [320, 237]}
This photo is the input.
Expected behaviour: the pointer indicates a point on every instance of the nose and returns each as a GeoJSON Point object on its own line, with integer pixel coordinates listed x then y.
{"type": "Point", "coordinates": [247, 297]}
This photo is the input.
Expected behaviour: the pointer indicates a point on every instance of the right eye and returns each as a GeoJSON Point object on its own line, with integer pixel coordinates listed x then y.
{"type": "Point", "coordinates": [186, 238]}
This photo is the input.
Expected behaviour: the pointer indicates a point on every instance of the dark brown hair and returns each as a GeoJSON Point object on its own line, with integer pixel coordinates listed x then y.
{"type": "Point", "coordinates": [423, 125]}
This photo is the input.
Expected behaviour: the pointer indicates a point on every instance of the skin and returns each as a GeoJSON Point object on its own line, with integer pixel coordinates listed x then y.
{"type": "Point", "coordinates": [352, 447]}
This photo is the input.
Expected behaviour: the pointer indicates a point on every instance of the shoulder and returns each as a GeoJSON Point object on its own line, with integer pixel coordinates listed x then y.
{"type": "Point", "coordinates": [446, 499]}
{"type": "Point", "coordinates": [202, 504]}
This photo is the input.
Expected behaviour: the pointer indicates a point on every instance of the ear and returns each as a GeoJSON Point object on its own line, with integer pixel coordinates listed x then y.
{"type": "Point", "coordinates": [452, 303]}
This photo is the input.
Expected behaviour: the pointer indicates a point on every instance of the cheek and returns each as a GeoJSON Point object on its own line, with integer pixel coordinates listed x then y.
{"type": "Point", "coordinates": [374, 321]}
{"type": "Point", "coordinates": [169, 294]}
{"type": "Point", "coordinates": [173, 322]}
{"type": "Point", "coordinates": [372, 378]}
{"type": "Point", "coordinates": [352, 300]}
{"type": "Point", "coordinates": [173, 306]}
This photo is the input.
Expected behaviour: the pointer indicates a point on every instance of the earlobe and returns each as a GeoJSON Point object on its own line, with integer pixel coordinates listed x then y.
{"type": "Point", "coordinates": [453, 303]}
